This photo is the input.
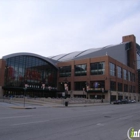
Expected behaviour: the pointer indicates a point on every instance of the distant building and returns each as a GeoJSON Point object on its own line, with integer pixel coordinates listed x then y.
{"type": "Point", "coordinates": [104, 73]}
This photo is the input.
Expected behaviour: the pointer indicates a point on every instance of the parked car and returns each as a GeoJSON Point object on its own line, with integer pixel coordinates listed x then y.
{"type": "Point", "coordinates": [124, 101]}
{"type": "Point", "coordinates": [117, 102]}
{"type": "Point", "coordinates": [133, 101]}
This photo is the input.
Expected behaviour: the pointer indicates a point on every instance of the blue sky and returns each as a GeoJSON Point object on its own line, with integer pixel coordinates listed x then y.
{"type": "Point", "coordinates": [52, 27]}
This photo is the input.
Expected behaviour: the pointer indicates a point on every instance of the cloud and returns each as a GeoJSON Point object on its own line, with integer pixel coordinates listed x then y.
{"type": "Point", "coordinates": [54, 27]}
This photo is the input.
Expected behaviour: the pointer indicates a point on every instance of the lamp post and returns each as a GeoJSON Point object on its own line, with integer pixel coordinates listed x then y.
{"type": "Point", "coordinates": [25, 88]}
{"type": "Point", "coordinates": [87, 88]}
{"type": "Point", "coordinates": [66, 90]}
{"type": "Point", "coordinates": [66, 87]}
{"type": "Point", "coordinates": [110, 89]}
{"type": "Point", "coordinates": [43, 87]}
{"type": "Point", "coordinates": [102, 94]}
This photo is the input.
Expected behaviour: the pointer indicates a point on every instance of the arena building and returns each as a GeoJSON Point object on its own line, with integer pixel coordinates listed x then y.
{"type": "Point", "coordinates": [108, 73]}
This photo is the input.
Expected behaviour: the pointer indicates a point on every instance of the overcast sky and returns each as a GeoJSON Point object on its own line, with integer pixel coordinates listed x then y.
{"type": "Point", "coordinates": [52, 27]}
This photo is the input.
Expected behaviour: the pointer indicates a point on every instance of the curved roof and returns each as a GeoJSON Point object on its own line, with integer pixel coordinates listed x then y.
{"type": "Point", "coordinates": [83, 54]}
{"type": "Point", "coordinates": [49, 60]}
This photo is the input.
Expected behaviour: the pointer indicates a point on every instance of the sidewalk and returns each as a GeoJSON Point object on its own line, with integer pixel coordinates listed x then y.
{"type": "Point", "coordinates": [35, 104]}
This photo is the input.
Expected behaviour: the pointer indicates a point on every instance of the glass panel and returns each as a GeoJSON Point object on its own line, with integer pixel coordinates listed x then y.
{"type": "Point", "coordinates": [33, 70]}
{"type": "Point", "coordinates": [112, 69]}
{"type": "Point", "coordinates": [119, 71]}
{"type": "Point", "coordinates": [119, 86]}
{"type": "Point", "coordinates": [113, 85]}
{"type": "Point", "coordinates": [81, 70]}
{"type": "Point", "coordinates": [125, 88]}
{"type": "Point", "coordinates": [97, 68]}
{"type": "Point", "coordinates": [124, 74]}
{"type": "Point", "coordinates": [80, 85]}
{"type": "Point", "coordinates": [65, 71]}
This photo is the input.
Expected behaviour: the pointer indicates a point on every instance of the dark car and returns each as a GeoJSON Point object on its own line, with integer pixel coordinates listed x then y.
{"type": "Point", "coordinates": [125, 101]}
{"type": "Point", "coordinates": [117, 102]}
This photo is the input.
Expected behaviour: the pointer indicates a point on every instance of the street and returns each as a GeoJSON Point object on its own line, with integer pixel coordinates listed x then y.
{"type": "Point", "coordinates": [103, 122]}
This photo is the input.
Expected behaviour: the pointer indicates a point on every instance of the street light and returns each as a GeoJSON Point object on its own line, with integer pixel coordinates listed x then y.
{"type": "Point", "coordinates": [87, 88]}
{"type": "Point", "coordinates": [66, 90]}
{"type": "Point", "coordinates": [102, 94]}
{"type": "Point", "coordinates": [66, 87]}
{"type": "Point", "coordinates": [43, 87]}
{"type": "Point", "coordinates": [26, 86]}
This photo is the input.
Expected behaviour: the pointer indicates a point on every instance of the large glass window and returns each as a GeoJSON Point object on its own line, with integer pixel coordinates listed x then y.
{"type": "Point", "coordinates": [113, 85]}
{"type": "Point", "coordinates": [133, 77]}
{"type": "Point", "coordinates": [119, 86]}
{"type": "Point", "coordinates": [65, 71]}
{"type": "Point", "coordinates": [130, 88]}
{"type": "Point", "coordinates": [134, 90]}
{"type": "Point", "coordinates": [128, 76]}
{"type": "Point", "coordinates": [125, 88]}
{"type": "Point", "coordinates": [119, 72]}
{"type": "Point", "coordinates": [80, 85]}
{"type": "Point", "coordinates": [29, 69]}
{"type": "Point", "coordinates": [97, 85]}
{"type": "Point", "coordinates": [112, 69]}
{"type": "Point", "coordinates": [81, 70]}
{"type": "Point", "coordinates": [97, 68]}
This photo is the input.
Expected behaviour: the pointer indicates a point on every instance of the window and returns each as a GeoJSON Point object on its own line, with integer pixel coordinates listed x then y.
{"type": "Point", "coordinates": [125, 88]}
{"type": "Point", "coordinates": [97, 85]}
{"type": "Point", "coordinates": [119, 72]}
{"type": "Point", "coordinates": [119, 86]}
{"type": "Point", "coordinates": [112, 69]}
{"type": "Point", "coordinates": [134, 90]}
{"type": "Point", "coordinates": [29, 69]}
{"type": "Point", "coordinates": [65, 71]}
{"type": "Point", "coordinates": [128, 76]}
{"type": "Point", "coordinates": [112, 85]}
{"type": "Point", "coordinates": [124, 74]}
{"type": "Point", "coordinates": [97, 68]}
{"type": "Point", "coordinates": [130, 88]}
{"type": "Point", "coordinates": [80, 85]}
{"type": "Point", "coordinates": [81, 70]}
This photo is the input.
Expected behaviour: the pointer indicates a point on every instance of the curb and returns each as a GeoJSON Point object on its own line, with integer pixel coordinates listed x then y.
{"type": "Point", "coordinates": [16, 107]}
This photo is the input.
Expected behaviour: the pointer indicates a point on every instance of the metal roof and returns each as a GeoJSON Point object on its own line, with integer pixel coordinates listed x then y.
{"type": "Point", "coordinates": [49, 60]}
{"type": "Point", "coordinates": [80, 54]}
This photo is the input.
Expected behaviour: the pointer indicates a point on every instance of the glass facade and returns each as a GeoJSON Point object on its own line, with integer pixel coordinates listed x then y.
{"type": "Point", "coordinates": [80, 70]}
{"type": "Point", "coordinates": [30, 70]}
{"type": "Point", "coordinates": [112, 69]}
{"type": "Point", "coordinates": [119, 72]}
{"type": "Point", "coordinates": [97, 68]}
{"type": "Point", "coordinates": [65, 71]}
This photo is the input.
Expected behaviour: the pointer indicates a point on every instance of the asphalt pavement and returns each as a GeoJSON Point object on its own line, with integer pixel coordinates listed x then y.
{"type": "Point", "coordinates": [100, 122]}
